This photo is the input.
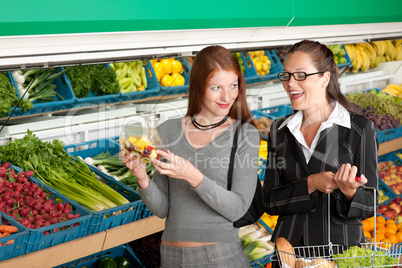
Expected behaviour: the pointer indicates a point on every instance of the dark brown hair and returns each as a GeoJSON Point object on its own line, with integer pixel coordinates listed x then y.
{"type": "Point", "coordinates": [210, 59]}
{"type": "Point", "coordinates": [323, 60]}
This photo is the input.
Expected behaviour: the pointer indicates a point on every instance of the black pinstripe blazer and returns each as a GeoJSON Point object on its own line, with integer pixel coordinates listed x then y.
{"type": "Point", "coordinates": [303, 217]}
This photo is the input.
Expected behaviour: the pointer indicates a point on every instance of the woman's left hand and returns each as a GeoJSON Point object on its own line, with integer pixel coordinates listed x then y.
{"type": "Point", "coordinates": [345, 178]}
{"type": "Point", "coordinates": [178, 167]}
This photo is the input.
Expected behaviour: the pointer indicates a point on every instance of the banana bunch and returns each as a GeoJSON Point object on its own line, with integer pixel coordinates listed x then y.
{"type": "Point", "coordinates": [369, 55]}
{"type": "Point", "coordinates": [363, 56]}
{"type": "Point", "coordinates": [394, 90]}
{"type": "Point", "coordinates": [398, 49]}
{"type": "Point", "coordinates": [388, 50]}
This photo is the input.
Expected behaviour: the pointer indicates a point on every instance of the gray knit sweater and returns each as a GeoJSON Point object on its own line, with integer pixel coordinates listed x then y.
{"type": "Point", "coordinates": [205, 214]}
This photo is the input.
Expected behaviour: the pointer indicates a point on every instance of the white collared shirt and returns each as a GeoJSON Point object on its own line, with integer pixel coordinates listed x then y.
{"type": "Point", "coordinates": [339, 116]}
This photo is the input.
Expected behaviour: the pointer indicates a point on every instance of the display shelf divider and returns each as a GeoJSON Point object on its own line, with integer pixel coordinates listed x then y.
{"type": "Point", "coordinates": [59, 254]}
{"type": "Point", "coordinates": [390, 146]}
{"type": "Point", "coordinates": [132, 231]}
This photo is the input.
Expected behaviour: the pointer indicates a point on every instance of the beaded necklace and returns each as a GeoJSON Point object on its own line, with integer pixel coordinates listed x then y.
{"type": "Point", "coordinates": [207, 127]}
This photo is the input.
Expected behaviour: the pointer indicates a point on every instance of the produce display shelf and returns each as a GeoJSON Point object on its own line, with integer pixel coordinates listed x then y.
{"type": "Point", "coordinates": [87, 245]}
{"type": "Point", "coordinates": [54, 234]}
{"type": "Point", "coordinates": [392, 156]}
{"type": "Point", "coordinates": [17, 239]}
{"type": "Point", "coordinates": [93, 260]}
{"type": "Point", "coordinates": [175, 90]}
{"type": "Point", "coordinates": [112, 217]}
{"type": "Point", "coordinates": [386, 134]}
{"type": "Point", "coordinates": [250, 74]}
{"type": "Point", "coordinates": [14, 84]}
{"type": "Point", "coordinates": [386, 190]}
{"type": "Point", "coordinates": [45, 107]}
{"type": "Point", "coordinates": [348, 62]}
{"type": "Point", "coordinates": [152, 89]}
{"type": "Point", "coordinates": [92, 98]}
{"type": "Point", "coordinates": [276, 67]}
{"type": "Point", "coordinates": [273, 112]}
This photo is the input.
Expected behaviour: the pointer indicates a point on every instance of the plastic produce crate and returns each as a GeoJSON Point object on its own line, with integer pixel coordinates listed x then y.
{"type": "Point", "coordinates": [151, 90]}
{"type": "Point", "coordinates": [261, 169]}
{"type": "Point", "coordinates": [386, 190]}
{"type": "Point", "coordinates": [276, 67]}
{"type": "Point", "coordinates": [383, 182]}
{"type": "Point", "coordinates": [12, 82]}
{"type": "Point", "coordinates": [263, 261]}
{"type": "Point", "coordinates": [92, 260]}
{"type": "Point", "coordinates": [387, 134]}
{"type": "Point", "coordinates": [177, 89]}
{"type": "Point", "coordinates": [250, 74]}
{"type": "Point", "coordinates": [45, 107]}
{"type": "Point", "coordinates": [272, 113]}
{"type": "Point", "coordinates": [348, 62]}
{"type": "Point", "coordinates": [275, 112]}
{"type": "Point", "coordinates": [109, 218]}
{"type": "Point", "coordinates": [47, 236]}
{"type": "Point", "coordinates": [92, 98]}
{"type": "Point", "coordinates": [15, 249]}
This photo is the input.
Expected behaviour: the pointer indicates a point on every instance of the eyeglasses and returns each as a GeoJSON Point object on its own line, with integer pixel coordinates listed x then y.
{"type": "Point", "coordinates": [298, 76]}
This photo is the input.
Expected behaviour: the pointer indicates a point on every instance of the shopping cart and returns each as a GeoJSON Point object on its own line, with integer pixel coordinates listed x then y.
{"type": "Point", "coordinates": [374, 254]}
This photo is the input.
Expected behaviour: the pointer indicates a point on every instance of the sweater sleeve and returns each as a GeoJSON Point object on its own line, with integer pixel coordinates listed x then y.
{"type": "Point", "coordinates": [234, 204]}
{"type": "Point", "coordinates": [155, 196]}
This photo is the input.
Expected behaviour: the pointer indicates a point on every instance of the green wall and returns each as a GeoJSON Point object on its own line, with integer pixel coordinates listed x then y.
{"type": "Point", "coordinates": [36, 17]}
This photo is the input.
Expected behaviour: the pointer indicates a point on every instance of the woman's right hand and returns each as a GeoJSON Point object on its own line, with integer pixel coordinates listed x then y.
{"type": "Point", "coordinates": [136, 167]}
{"type": "Point", "coordinates": [323, 182]}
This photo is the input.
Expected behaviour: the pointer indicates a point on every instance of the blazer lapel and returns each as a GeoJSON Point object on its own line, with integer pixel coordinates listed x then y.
{"type": "Point", "coordinates": [328, 138]}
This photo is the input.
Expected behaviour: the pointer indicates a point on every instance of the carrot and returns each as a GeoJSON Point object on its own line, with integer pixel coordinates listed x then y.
{"type": "Point", "coordinates": [4, 234]}
{"type": "Point", "coordinates": [9, 242]}
{"type": "Point", "coordinates": [8, 229]}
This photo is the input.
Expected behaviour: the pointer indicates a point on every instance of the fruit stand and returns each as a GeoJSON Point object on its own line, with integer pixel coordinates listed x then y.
{"type": "Point", "coordinates": [147, 74]}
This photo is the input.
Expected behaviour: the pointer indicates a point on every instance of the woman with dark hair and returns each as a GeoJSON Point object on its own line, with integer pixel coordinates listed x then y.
{"type": "Point", "coordinates": [321, 149]}
{"type": "Point", "coordinates": [190, 189]}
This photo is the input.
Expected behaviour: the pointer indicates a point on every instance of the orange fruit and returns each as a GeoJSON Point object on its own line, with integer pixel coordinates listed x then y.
{"type": "Point", "coordinates": [385, 243]}
{"type": "Point", "coordinates": [380, 229]}
{"type": "Point", "coordinates": [367, 234]}
{"type": "Point", "coordinates": [399, 236]}
{"type": "Point", "coordinates": [371, 225]}
{"type": "Point", "coordinates": [399, 225]}
{"type": "Point", "coordinates": [392, 226]}
{"type": "Point", "coordinates": [380, 237]}
{"type": "Point", "coordinates": [380, 220]}
{"type": "Point", "coordinates": [389, 230]}
{"type": "Point", "coordinates": [366, 226]}
{"type": "Point", "coordinates": [393, 238]}
{"type": "Point", "coordinates": [390, 222]}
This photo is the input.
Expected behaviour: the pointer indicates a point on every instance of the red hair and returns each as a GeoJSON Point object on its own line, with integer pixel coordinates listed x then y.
{"type": "Point", "coordinates": [208, 60]}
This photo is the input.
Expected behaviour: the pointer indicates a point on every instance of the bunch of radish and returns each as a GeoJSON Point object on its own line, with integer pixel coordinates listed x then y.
{"type": "Point", "coordinates": [27, 203]}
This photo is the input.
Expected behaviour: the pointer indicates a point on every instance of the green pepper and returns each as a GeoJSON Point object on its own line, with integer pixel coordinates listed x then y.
{"type": "Point", "coordinates": [106, 262]}
{"type": "Point", "coordinates": [121, 262]}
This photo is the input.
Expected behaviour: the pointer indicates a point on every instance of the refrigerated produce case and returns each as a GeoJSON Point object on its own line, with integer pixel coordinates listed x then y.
{"type": "Point", "coordinates": [57, 45]}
